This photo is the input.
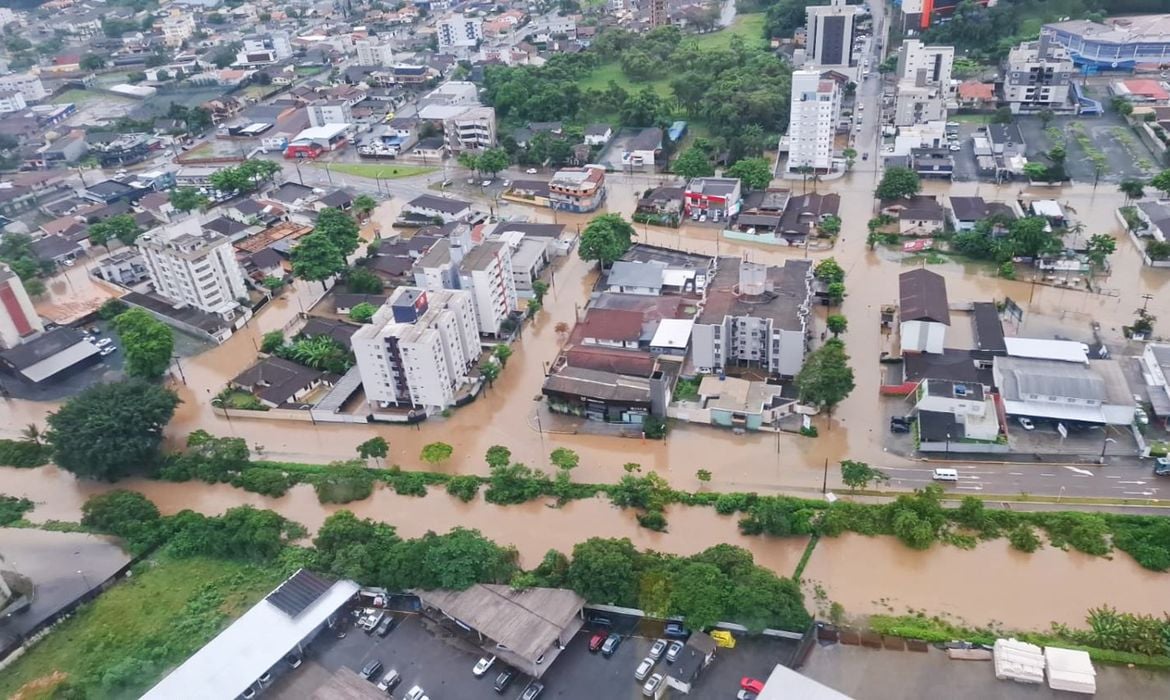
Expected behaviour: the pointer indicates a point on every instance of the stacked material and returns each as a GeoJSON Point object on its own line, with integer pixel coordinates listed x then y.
{"type": "Point", "coordinates": [1071, 670]}
{"type": "Point", "coordinates": [1018, 661]}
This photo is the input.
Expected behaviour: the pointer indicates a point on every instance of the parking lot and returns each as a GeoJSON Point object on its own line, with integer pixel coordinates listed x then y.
{"type": "Point", "coordinates": [441, 662]}
{"type": "Point", "coordinates": [1125, 155]}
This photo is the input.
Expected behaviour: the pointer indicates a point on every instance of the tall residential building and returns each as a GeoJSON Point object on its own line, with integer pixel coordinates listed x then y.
{"type": "Point", "coordinates": [658, 16]}
{"type": "Point", "coordinates": [926, 65]}
{"type": "Point", "coordinates": [18, 319]}
{"type": "Point", "coordinates": [419, 349]}
{"type": "Point", "coordinates": [177, 28]}
{"type": "Point", "coordinates": [370, 52]}
{"type": "Point", "coordinates": [1037, 76]}
{"type": "Point", "coordinates": [331, 112]}
{"type": "Point", "coordinates": [459, 31]}
{"type": "Point", "coordinates": [471, 129]}
{"type": "Point", "coordinates": [484, 270]}
{"type": "Point", "coordinates": [193, 266]}
{"type": "Point", "coordinates": [28, 85]}
{"type": "Point", "coordinates": [816, 106]}
{"type": "Point", "coordinates": [829, 34]}
{"type": "Point", "coordinates": [754, 316]}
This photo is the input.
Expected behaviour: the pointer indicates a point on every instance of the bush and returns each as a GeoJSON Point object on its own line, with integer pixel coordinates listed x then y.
{"type": "Point", "coordinates": [24, 455]}
{"type": "Point", "coordinates": [1024, 538]}
{"type": "Point", "coordinates": [125, 514]}
{"type": "Point", "coordinates": [1147, 540]}
{"type": "Point", "coordinates": [13, 509]}
{"type": "Point", "coordinates": [269, 482]}
{"type": "Point", "coordinates": [728, 503]}
{"type": "Point", "coordinates": [1084, 532]}
{"type": "Point", "coordinates": [515, 483]}
{"type": "Point", "coordinates": [464, 488]}
{"type": "Point", "coordinates": [409, 484]}
{"type": "Point", "coordinates": [654, 428]}
{"type": "Point", "coordinates": [111, 308]}
{"type": "Point", "coordinates": [653, 520]}
{"type": "Point", "coordinates": [343, 482]}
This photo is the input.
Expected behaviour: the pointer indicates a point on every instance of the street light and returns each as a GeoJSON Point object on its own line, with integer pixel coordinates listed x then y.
{"type": "Point", "coordinates": [1103, 446]}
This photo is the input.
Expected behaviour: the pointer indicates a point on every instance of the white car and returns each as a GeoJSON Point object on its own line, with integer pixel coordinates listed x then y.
{"type": "Point", "coordinates": [652, 685]}
{"type": "Point", "coordinates": [108, 350]}
{"type": "Point", "coordinates": [486, 183]}
{"type": "Point", "coordinates": [1141, 417]}
{"type": "Point", "coordinates": [102, 342]}
{"type": "Point", "coordinates": [415, 693]}
{"type": "Point", "coordinates": [531, 171]}
{"type": "Point", "coordinates": [657, 650]}
{"type": "Point", "coordinates": [483, 665]}
{"type": "Point", "coordinates": [1026, 423]}
{"type": "Point", "coordinates": [955, 147]}
{"type": "Point", "coordinates": [643, 669]}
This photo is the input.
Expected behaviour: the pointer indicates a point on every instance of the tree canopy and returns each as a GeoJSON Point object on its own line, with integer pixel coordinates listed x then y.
{"type": "Point", "coordinates": [316, 258]}
{"type": "Point", "coordinates": [339, 228]}
{"type": "Point", "coordinates": [606, 238]}
{"type": "Point", "coordinates": [147, 343]}
{"type": "Point", "coordinates": [897, 183]}
{"type": "Point", "coordinates": [111, 430]}
{"type": "Point", "coordinates": [121, 227]}
{"type": "Point", "coordinates": [692, 163]}
{"type": "Point", "coordinates": [753, 173]}
{"type": "Point", "coordinates": [826, 377]}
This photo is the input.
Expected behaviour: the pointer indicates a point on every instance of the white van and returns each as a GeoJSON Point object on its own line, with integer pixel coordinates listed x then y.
{"type": "Point", "coordinates": [945, 475]}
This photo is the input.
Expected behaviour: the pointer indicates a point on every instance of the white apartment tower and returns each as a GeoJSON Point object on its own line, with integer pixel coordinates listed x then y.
{"type": "Point", "coordinates": [18, 319]}
{"type": "Point", "coordinates": [459, 31]}
{"type": "Point", "coordinates": [419, 349]}
{"type": "Point", "coordinates": [484, 271]}
{"type": "Point", "coordinates": [1037, 76]}
{"type": "Point", "coordinates": [829, 34]}
{"type": "Point", "coordinates": [926, 65]}
{"type": "Point", "coordinates": [195, 267]}
{"type": "Point", "coordinates": [28, 85]}
{"type": "Point", "coordinates": [370, 52]}
{"type": "Point", "coordinates": [816, 106]}
{"type": "Point", "coordinates": [177, 28]}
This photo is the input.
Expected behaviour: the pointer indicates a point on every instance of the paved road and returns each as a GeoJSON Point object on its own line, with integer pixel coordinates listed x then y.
{"type": "Point", "coordinates": [1120, 481]}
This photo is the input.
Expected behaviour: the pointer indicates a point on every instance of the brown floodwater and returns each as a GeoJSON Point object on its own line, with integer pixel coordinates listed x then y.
{"type": "Point", "coordinates": [864, 574]}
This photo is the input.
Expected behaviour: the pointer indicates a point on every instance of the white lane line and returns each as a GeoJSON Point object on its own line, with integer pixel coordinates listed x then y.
{"type": "Point", "coordinates": [1042, 474]}
{"type": "Point", "coordinates": [1138, 493]}
{"type": "Point", "coordinates": [1135, 483]}
{"type": "Point", "coordinates": [976, 487]}
{"type": "Point", "coordinates": [1112, 476]}
{"type": "Point", "coordinates": [1079, 472]}
{"type": "Point", "coordinates": [1015, 473]}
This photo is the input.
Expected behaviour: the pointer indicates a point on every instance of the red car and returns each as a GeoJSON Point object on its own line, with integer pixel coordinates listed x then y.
{"type": "Point", "coordinates": [596, 641]}
{"type": "Point", "coordinates": [752, 685]}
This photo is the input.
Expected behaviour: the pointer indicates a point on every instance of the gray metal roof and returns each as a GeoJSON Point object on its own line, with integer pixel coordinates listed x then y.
{"type": "Point", "coordinates": [632, 274]}
{"type": "Point", "coordinates": [1021, 378]}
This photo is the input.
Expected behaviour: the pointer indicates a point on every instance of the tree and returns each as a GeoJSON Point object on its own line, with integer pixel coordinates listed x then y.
{"type": "Point", "coordinates": [111, 308]}
{"type": "Point", "coordinates": [375, 447]}
{"type": "Point", "coordinates": [692, 163]}
{"type": "Point", "coordinates": [1132, 189]}
{"type": "Point", "coordinates": [1046, 117]}
{"type": "Point", "coordinates": [836, 323]}
{"type": "Point", "coordinates": [363, 204]}
{"type": "Point", "coordinates": [92, 61]}
{"type": "Point", "coordinates": [1161, 182]}
{"type": "Point", "coordinates": [319, 352]}
{"type": "Point", "coordinates": [829, 270]}
{"type": "Point", "coordinates": [605, 571]}
{"type": "Point", "coordinates": [363, 312]}
{"type": "Point", "coordinates": [564, 458]}
{"type": "Point", "coordinates": [1100, 247]}
{"type": "Point", "coordinates": [703, 475]}
{"type": "Point", "coordinates": [125, 514]}
{"type": "Point", "coordinates": [490, 371]}
{"type": "Point", "coordinates": [435, 453]}
{"type": "Point", "coordinates": [469, 160]}
{"type": "Point", "coordinates": [858, 475]}
{"type": "Point", "coordinates": [121, 227]}
{"type": "Point", "coordinates": [498, 456]}
{"type": "Point", "coordinates": [32, 433]}
{"type": "Point", "coordinates": [605, 239]}
{"type": "Point", "coordinates": [1003, 115]}
{"type": "Point", "coordinates": [188, 199]}
{"type": "Point", "coordinates": [359, 280]}
{"type": "Point", "coordinates": [271, 341]}
{"type": "Point", "coordinates": [830, 225]}
{"type": "Point", "coordinates": [315, 258]}
{"type": "Point", "coordinates": [753, 173]}
{"type": "Point", "coordinates": [826, 377]}
{"type": "Point", "coordinates": [147, 342]}
{"type": "Point", "coordinates": [492, 161]}
{"type": "Point", "coordinates": [502, 352]}
{"type": "Point", "coordinates": [850, 157]}
{"type": "Point", "coordinates": [539, 289]}
{"type": "Point", "coordinates": [898, 183]}
{"type": "Point", "coordinates": [338, 227]}
{"type": "Point", "coordinates": [699, 593]}
{"type": "Point", "coordinates": [111, 430]}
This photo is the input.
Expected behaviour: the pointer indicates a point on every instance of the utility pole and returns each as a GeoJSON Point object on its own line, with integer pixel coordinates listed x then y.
{"type": "Point", "coordinates": [825, 478]}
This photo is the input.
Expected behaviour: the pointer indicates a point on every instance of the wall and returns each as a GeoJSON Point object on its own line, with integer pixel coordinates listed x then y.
{"type": "Point", "coordinates": [791, 357]}
{"type": "Point", "coordinates": [273, 414]}
{"type": "Point", "coordinates": [964, 447]}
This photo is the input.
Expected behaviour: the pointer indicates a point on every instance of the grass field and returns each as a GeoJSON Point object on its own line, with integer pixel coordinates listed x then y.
{"type": "Point", "coordinates": [377, 170]}
{"type": "Point", "coordinates": [80, 97]}
{"type": "Point", "coordinates": [749, 26]}
{"type": "Point", "coordinates": [125, 641]}
{"type": "Point", "coordinates": [600, 76]}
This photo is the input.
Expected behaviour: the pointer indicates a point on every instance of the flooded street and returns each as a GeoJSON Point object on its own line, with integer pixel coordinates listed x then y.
{"type": "Point", "coordinates": [864, 574]}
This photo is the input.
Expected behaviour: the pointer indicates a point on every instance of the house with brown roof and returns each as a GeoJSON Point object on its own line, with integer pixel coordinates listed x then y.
{"type": "Point", "coordinates": [920, 215]}
{"type": "Point", "coordinates": [924, 312]}
{"type": "Point", "coordinates": [976, 95]}
{"type": "Point", "coordinates": [612, 328]}
{"type": "Point", "coordinates": [276, 382]}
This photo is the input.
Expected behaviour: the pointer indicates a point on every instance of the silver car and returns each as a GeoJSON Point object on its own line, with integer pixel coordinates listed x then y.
{"type": "Point", "coordinates": [657, 650]}
{"type": "Point", "coordinates": [643, 669]}
{"type": "Point", "coordinates": [673, 652]}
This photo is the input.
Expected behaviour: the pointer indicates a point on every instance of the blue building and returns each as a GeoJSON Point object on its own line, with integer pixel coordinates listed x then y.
{"type": "Point", "coordinates": [1123, 44]}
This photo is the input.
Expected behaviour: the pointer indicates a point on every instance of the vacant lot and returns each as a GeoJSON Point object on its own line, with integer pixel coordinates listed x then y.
{"type": "Point", "coordinates": [378, 170]}
{"type": "Point", "coordinates": [1103, 145]}
{"type": "Point", "coordinates": [126, 640]}
{"type": "Point", "coordinates": [749, 27]}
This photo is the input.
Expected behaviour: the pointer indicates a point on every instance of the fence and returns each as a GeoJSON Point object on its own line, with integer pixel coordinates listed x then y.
{"type": "Point", "coordinates": [1139, 243]}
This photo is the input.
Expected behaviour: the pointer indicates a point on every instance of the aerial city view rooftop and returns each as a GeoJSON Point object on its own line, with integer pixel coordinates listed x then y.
{"type": "Point", "coordinates": [443, 349]}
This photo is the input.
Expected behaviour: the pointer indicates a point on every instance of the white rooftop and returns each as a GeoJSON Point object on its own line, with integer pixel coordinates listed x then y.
{"type": "Point", "coordinates": [1048, 207]}
{"type": "Point", "coordinates": [786, 683]}
{"type": "Point", "coordinates": [227, 665]}
{"type": "Point", "coordinates": [673, 333]}
{"type": "Point", "coordinates": [1042, 349]}
{"type": "Point", "coordinates": [325, 132]}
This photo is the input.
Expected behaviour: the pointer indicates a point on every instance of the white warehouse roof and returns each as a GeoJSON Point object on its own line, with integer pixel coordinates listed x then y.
{"type": "Point", "coordinates": [1041, 349]}
{"type": "Point", "coordinates": [227, 665]}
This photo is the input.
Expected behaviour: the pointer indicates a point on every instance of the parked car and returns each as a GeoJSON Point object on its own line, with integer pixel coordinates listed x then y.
{"type": "Point", "coordinates": [676, 630]}
{"type": "Point", "coordinates": [1026, 423]}
{"type": "Point", "coordinates": [612, 642]}
{"type": "Point", "coordinates": [102, 342]}
{"type": "Point", "coordinates": [415, 693]}
{"type": "Point", "coordinates": [745, 695]}
{"type": "Point", "coordinates": [482, 666]}
{"type": "Point", "coordinates": [504, 679]}
{"type": "Point", "coordinates": [534, 689]}
{"type": "Point", "coordinates": [865, 156]}
{"type": "Point", "coordinates": [390, 680]}
{"type": "Point", "coordinates": [265, 678]}
{"type": "Point", "coordinates": [108, 350]}
{"type": "Point", "coordinates": [596, 641]}
{"type": "Point", "coordinates": [899, 427]}
{"type": "Point", "coordinates": [387, 625]}
{"type": "Point", "coordinates": [643, 669]}
{"type": "Point", "coordinates": [652, 685]}
{"type": "Point", "coordinates": [531, 171]}
{"type": "Point", "coordinates": [1162, 466]}
{"type": "Point", "coordinates": [600, 621]}
{"type": "Point", "coordinates": [371, 623]}
{"type": "Point", "coordinates": [1141, 416]}
{"type": "Point", "coordinates": [248, 694]}
{"type": "Point", "coordinates": [486, 183]}
{"type": "Point", "coordinates": [673, 652]}
{"type": "Point", "coordinates": [657, 649]}
{"type": "Point", "coordinates": [752, 685]}
{"type": "Point", "coordinates": [371, 669]}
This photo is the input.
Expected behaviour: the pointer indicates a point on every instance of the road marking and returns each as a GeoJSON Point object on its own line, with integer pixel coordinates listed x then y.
{"type": "Point", "coordinates": [1112, 476]}
{"type": "Point", "coordinates": [1138, 493]}
{"type": "Point", "coordinates": [976, 487]}
{"type": "Point", "coordinates": [1015, 473]}
{"type": "Point", "coordinates": [1079, 472]}
{"type": "Point", "coordinates": [1135, 483]}
{"type": "Point", "coordinates": [1042, 474]}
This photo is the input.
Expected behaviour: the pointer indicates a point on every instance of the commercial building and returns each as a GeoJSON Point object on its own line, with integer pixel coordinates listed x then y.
{"type": "Point", "coordinates": [754, 316]}
{"type": "Point", "coordinates": [577, 189]}
{"type": "Point", "coordinates": [718, 198]}
{"type": "Point", "coordinates": [829, 32]}
{"type": "Point", "coordinates": [924, 313]}
{"type": "Point", "coordinates": [459, 31]}
{"type": "Point", "coordinates": [1036, 77]}
{"type": "Point", "coordinates": [920, 14]}
{"type": "Point", "coordinates": [1121, 43]}
{"type": "Point", "coordinates": [57, 353]}
{"type": "Point", "coordinates": [371, 52]}
{"type": "Point", "coordinates": [27, 84]}
{"type": "Point", "coordinates": [1093, 392]}
{"type": "Point", "coordinates": [18, 319]}
{"type": "Point", "coordinates": [419, 349]}
{"type": "Point", "coordinates": [260, 50]}
{"type": "Point", "coordinates": [816, 106]}
{"type": "Point", "coordinates": [470, 128]}
{"type": "Point", "coordinates": [328, 113]}
{"type": "Point", "coordinates": [192, 266]}
{"type": "Point", "coordinates": [287, 620]}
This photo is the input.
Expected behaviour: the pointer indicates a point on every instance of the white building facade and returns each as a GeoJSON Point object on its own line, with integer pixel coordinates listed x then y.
{"type": "Point", "coordinates": [419, 349]}
{"type": "Point", "coordinates": [27, 84]}
{"type": "Point", "coordinates": [829, 35]}
{"type": "Point", "coordinates": [486, 271]}
{"type": "Point", "coordinates": [458, 31]}
{"type": "Point", "coordinates": [177, 28]}
{"type": "Point", "coordinates": [1037, 77]}
{"type": "Point", "coordinates": [816, 106]}
{"type": "Point", "coordinates": [372, 53]}
{"type": "Point", "coordinates": [195, 267]}
{"type": "Point", "coordinates": [18, 319]}
{"type": "Point", "coordinates": [333, 112]}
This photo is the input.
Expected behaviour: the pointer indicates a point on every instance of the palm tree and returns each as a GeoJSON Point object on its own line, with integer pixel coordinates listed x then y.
{"type": "Point", "coordinates": [315, 352]}
{"type": "Point", "coordinates": [363, 204]}
{"type": "Point", "coordinates": [1132, 189]}
{"type": "Point", "coordinates": [32, 433]}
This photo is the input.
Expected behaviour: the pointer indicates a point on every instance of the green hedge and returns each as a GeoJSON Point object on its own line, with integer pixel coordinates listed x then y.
{"type": "Point", "coordinates": [23, 454]}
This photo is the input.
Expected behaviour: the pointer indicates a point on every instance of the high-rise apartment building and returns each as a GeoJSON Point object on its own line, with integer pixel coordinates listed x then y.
{"type": "Point", "coordinates": [459, 31]}
{"type": "Point", "coordinates": [18, 319]}
{"type": "Point", "coordinates": [925, 65]}
{"type": "Point", "coordinates": [816, 106]}
{"type": "Point", "coordinates": [484, 270]}
{"type": "Point", "coordinates": [1037, 76]}
{"type": "Point", "coordinates": [193, 266]}
{"type": "Point", "coordinates": [829, 34]}
{"type": "Point", "coordinates": [28, 85]}
{"type": "Point", "coordinates": [370, 52]}
{"type": "Point", "coordinates": [419, 349]}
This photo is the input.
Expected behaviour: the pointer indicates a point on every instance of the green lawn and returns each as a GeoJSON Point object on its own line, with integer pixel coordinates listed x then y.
{"type": "Point", "coordinates": [749, 26]}
{"type": "Point", "coordinates": [377, 170]}
{"type": "Point", "coordinates": [124, 642]}
{"type": "Point", "coordinates": [80, 97]}
{"type": "Point", "coordinates": [600, 76]}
